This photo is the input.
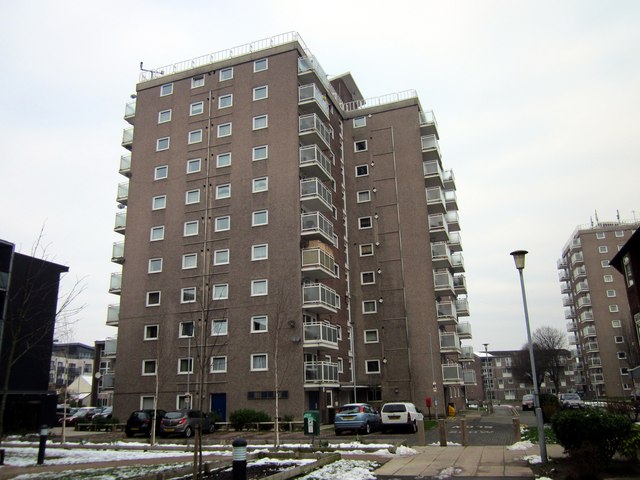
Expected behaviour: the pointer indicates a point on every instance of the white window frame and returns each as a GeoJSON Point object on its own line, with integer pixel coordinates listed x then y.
{"type": "Point", "coordinates": [192, 196]}
{"type": "Point", "coordinates": [266, 362]}
{"type": "Point", "coordinates": [257, 92]}
{"type": "Point", "coordinates": [182, 333]}
{"type": "Point", "coordinates": [221, 156]}
{"type": "Point", "coordinates": [218, 357]}
{"type": "Point", "coordinates": [157, 228]}
{"type": "Point", "coordinates": [257, 149]}
{"type": "Point", "coordinates": [146, 332]}
{"type": "Point", "coordinates": [257, 119]}
{"type": "Point", "coordinates": [377, 334]}
{"type": "Point", "coordinates": [223, 191]}
{"type": "Point", "coordinates": [153, 292]}
{"type": "Point", "coordinates": [371, 362]}
{"type": "Point", "coordinates": [188, 291]}
{"type": "Point", "coordinates": [600, 235]}
{"type": "Point", "coordinates": [219, 332]}
{"type": "Point", "coordinates": [360, 146]}
{"type": "Point", "coordinates": [622, 355]}
{"type": "Point", "coordinates": [223, 125]}
{"type": "Point", "coordinates": [222, 287]}
{"type": "Point", "coordinates": [197, 81]}
{"type": "Point", "coordinates": [166, 89]}
{"type": "Point", "coordinates": [196, 108]}
{"type": "Point", "coordinates": [603, 249]}
{"type": "Point", "coordinates": [608, 278]}
{"type": "Point", "coordinates": [363, 166]}
{"type": "Point", "coordinates": [256, 215]}
{"type": "Point", "coordinates": [616, 323]}
{"type": "Point", "coordinates": [255, 319]}
{"type": "Point", "coordinates": [194, 136]}
{"type": "Point", "coordinates": [158, 170]}
{"type": "Point", "coordinates": [186, 260]}
{"type": "Point", "coordinates": [359, 122]}
{"type": "Point", "coordinates": [363, 196]}
{"type": "Point", "coordinates": [614, 308]}
{"type": "Point", "coordinates": [160, 144]}
{"type": "Point", "coordinates": [618, 339]}
{"type": "Point", "coordinates": [257, 64]}
{"type": "Point", "coordinates": [262, 292]}
{"type": "Point", "coordinates": [164, 116]}
{"type": "Point", "coordinates": [362, 219]}
{"type": "Point", "coordinates": [611, 293]}
{"type": "Point", "coordinates": [226, 99]}
{"type": "Point", "coordinates": [149, 361]}
{"type": "Point", "coordinates": [155, 261]}
{"type": "Point", "coordinates": [369, 302]}
{"type": "Point", "coordinates": [605, 264]}
{"type": "Point", "coordinates": [188, 226]}
{"type": "Point", "coordinates": [194, 165]}
{"type": "Point", "coordinates": [254, 249]}
{"type": "Point", "coordinates": [256, 185]}
{"type": "Point", "coordinates": [159, 202]}
{"type": "Point", "coordinates": [361, 248]}
{"type": "Point", "coordinates": [225, 74]}
{"type": "Point", "coordinates": [221, 257]}
{"type": "Point", "coordinates": [189, 370]}
{"type": "Point", "coordinates": [362, 281]}
{"type": "Point", "coordinates": [619, 233]}
{"type": "Point", "coordinates": [218, 220]}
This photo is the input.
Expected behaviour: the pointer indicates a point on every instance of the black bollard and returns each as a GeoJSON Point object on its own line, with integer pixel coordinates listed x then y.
{"type": "Point", "coordinates": [44, 431]}
{"type": "Point", "coordinates": [239, 459]}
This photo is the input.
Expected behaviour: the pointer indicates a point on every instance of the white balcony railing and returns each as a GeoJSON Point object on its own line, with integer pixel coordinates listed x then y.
{"type": "Point", "coordinates": [314, 259]}
{"type": "Point", "coordinates": [319, 296]}
{"type": "Point", "coordinates": [452, 374]}
{"type": "Point", "coordinates": [313, 190]}
{"type": "Point", "coordinates": [315, 223]}
{"type": "Point", "coordinates": [311, 93]}
{"type": "Point", "coordinates": [320, 335]}
{"type": "Point", "coordinates": [312, 158]}
{"type": "Point", "coordinates": [312, 124]}
{"type": "Point", "coordinates": [318, 373]}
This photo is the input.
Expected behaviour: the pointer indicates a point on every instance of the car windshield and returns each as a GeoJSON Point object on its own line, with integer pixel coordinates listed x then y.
{"type": "Point", "coordinates": [351, 409]}
{"type": "Point", "coordinates": [527, 397]}
{"type": "Point", "coordinates": [394, 407]}
{"type": "Point", "coordinates": [571, 396]}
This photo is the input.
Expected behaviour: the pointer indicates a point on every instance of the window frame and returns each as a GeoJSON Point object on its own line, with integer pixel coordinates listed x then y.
{"type": "Point", "coordinates": [223, 155]}
{"type": "Point", "coordinates": [223, 125]}
{"type": "Point", "coordinates": [223, 191]}
{"type": "Point", "coordinates": [373, 275]}
{"type": "Point", "coordinates": [218, 332]}
{"type": "Point", "coordinates": [224, 98]}
{"type": "Point", "coordinates": [157, 170]}
{"type": "Point", "coordinates": [187, 225]}
{"type": "Point", "coordinates": [156, 228]}
{"type": "Point", "coordinates": [255, 321]}
{"type": "Point", "coordinates": [259, 118]}
{"type": "Point", "coordinates": [157, 260]}
{"type": "Point", "coordinates": [160, 116]}
{"type": "Point", "coordinates": [360, 145]}
{"type": "Point", "coordinates": [189, 255]}
{"type": "Point", "coordinates": [187, 291]}
{"type": "Point", "coordinates": [359, 122]}
{"type": "Point", "coordinates": [224, 286]}
{"type": "Point", "coordinates": [255, 182]}
{"type": "Point", "coordinates": [218, 357]}
{"type": "Point", "coordinates": [182, 330]}
{"type": "Point", "coordinates": [166, 89]}
{"type": "Point", "coordinates": [146, 332]}
{"type": "Point", "coordinates": [194, 136]}
{"type": "Point", "coordinates": [369, 302]}
{"type": "Point", "coordinates": [373, 330]}
{"type": "Point", "coordinates": [257, 149]}
{"type": "Point", "coordinates": [363, 193]}
{"type": "Point", "coordinates": [188, 193]}
{"type": "Point", "coordinates": [257, 90]}
{"type": "Point", "coordinates": [266, 362]}
{"type": "Point", "coordinates": [148, 298]}
{"type": "Point", "coordinates": [149, 361]}
{"type": "Point", "coordinates": [159, 144]}
{"type": "Point", "coordinates": [221, 252]}
{"type": "Point", "coordinates": [225, 74]}
{"type": "Point", "coordinates": [191, 163]}
{"type": "Point", "coordinates": [259, 61]}
{"type": "Point", "coordinates": [197, 81]}
{"type": "Point", "coordinates": [362, 166]}
{"type": "Point", "coordinates": [256, 216]}
{"type": "Point", "coordinates": [217, 220]}
{"type": "Point", "coordinates": [362, 247]}
{"type": "Point", "coordinates": [189, 362]}
{"type": "Point", "coordinates": [603, 249]}
{"type": "Point", "coordinates": [254, 248]}
{"type": "Point", "coordinates": [365, 219]}
{"type": "Point", "coordinates": [254, 285]}
{"type": "Point", "coordinates": [161, 200]}
{"type": "Point", "coordinates": [368, 371]}
{"type": "Point", "coordinates": [196, 108]}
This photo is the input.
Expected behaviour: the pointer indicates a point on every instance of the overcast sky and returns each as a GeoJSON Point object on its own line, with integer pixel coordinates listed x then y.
{"type": "Point", "coordinates": [538, 105]}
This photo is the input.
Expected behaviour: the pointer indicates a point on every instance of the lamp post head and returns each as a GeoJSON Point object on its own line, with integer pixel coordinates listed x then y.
{"type": "Point", "coordinates": [518, 257]}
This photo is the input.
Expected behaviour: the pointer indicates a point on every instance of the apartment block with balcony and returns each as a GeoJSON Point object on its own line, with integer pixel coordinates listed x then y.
{"type": "Point", "coordinates": [599, 321]}
{"type": "Point", "coordinates": [283, 239]}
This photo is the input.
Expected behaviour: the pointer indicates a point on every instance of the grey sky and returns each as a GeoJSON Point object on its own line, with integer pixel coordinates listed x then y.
{"type": "Point", "coordinates": [537, 104]}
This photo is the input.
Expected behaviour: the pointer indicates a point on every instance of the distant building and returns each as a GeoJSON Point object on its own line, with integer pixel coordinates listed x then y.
{"type": "Point", "coordinates": [597, 309]}
{"type": "Point", "coordinates": [105, 372]}
{"type": "Point", "coordinates": [28, 296]}
{"type": "Point", "coordinates": [68, 362]}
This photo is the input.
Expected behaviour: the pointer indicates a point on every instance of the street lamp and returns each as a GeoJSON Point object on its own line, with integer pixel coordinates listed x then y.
{"type": "Point", "coordinates": [487, 391]}
{"type": "Point", "coordinates": [518, 257]}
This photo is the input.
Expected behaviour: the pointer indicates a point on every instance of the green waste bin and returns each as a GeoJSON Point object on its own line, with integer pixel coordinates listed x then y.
{"type": "Point", "coordinates": [311, 420]}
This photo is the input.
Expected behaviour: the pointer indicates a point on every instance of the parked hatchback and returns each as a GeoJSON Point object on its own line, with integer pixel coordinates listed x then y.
{"type": "Point", "coordinates": [356, 417]}
{"type": "Point", "coordinates": [400, 415]}
{"type": "Point", "coordinates": [140, 422]}
{"type": "Point", "coordinates": [185, 422]}
{"type": "Point", "coordinates": [527, 402]}
{"type": "Point", "coordinates": [571, 400]}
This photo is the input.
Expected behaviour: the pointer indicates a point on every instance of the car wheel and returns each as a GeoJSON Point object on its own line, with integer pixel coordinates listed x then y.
{"type": "Point", "coordinates": [128, 433]}
{"type": "Point", "coordinates": [367, 428]}
{"type": "Point", "coordinates": [188, 432]}
{"type": "Point", "coordinates": [414, 426]}
{"type": "Point", "coordinates": [338, 432]}
{"type": "Point", "coordinates": [212, 428]}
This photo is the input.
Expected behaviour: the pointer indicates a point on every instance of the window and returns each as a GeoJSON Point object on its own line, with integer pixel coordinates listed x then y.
{"type": "Point", "coordinates": [219, 326]}
{"type": "Point", "coordinates": [166, 89]}
{"type": "Point", "coordinates": [259, 287]}
{"type": "Point", "coordinates": [628, 272]}
{"type": "Point", "coordinates": [221, 291]}
{"type": "Point", "coordinates": [195, 136]}
{"type": "Point", "coordinates": [624, 371]}
{"type": "Point", "coordinates": [371, 336]}
{"type": "Point", "coordinates": [218, 364]}
{"type": "Point", "coordinates": [164, 116]}
{"type": "Point", "coordinates": [600, 235]}
{"type": "Point", "coordinates": [151, 332]}
{"type": "Point", "coordinates": [155, 265]}
{"type": "Point", "coordinates": [369, 306]}
{"type": "Point", "coordinates": [153, 299]}
{"type": "Point", "coordinates": [603, 249]}
{"type": "Point", "coordinates": [157, 233]}
{"type": "Point", "coordinates": [186, 330]}
{"type": "Point", "coordinates": [221, 257]}
{"type": "Point", "coordinates": [224, 130]}
{"type": "Point", "coordinates": [190, 228]}
{"type": "Point", "coordinates": [259, 218]}
{"type": "Point", "coordinates": [359, 122]}
{"type": "Point", "coordinates": [619, 233]}
{"type": "Point", "coordinates": [196, 108]}
{"type": "Point", "coordinates": [366, 249]}
{"type": "Point", "coordinates": [340, 365]}
{"type": "Point", "coordinates": [622, 355]}
{"type": "Point", "coordinates": [185, 365]}
{"type": "Point", "coordinates": [259, 252]}
{"type": "Point", "coordinates": [149, 367]}
{"type": "Point", "coordinates": [261, 152]}
{"type": "Point", "coordinates": [189, 260]}
{"type": "Point", "coordinates": [367, 278]}
{"type": "Point", "coordinates": [616, 323]}
{"type": "Point", "coordinates": [260, 184]}
{"type": "Point", "coordinates": [364, 196]}
{"type": "Point", "coordinates": [372, 366]}
{"type": "Point", "coordinates": [160, 172]}
{"type": "Point", "coordinates": [362, 170]}
{"type": "Point", "coordinates": [194, 165]}
{"type": "Point", "coordinates": [226, 74]}
{"type": "Point", "coordinates": [360, 146]}
{"type": "Point", "coordinates": [223, 191]}
{"type": "Point", "coordinates": [222, 223]}
{"type": "Point", "coordinates": [159, 202]}
{"type": "Point", "coordinates": [162, 144]}
{"type": "Point", "coordinates": [614, 308]}
{"type": "Point", "coordinates": [223, 160]}
{"type": "Point", "coordinates": [261, 65]}
{"type": "Point", "coordinates": [608, 278]}
{"type": "Point", "coordinates": [259, 324]}
{"type": "Point", "coordinates": [197, 81]}
{"type": "Point", "coordinates": [260, 92]}
{"type": "Point", "coordinates": [259, 362]}
{"type": "Point", "coordinates": [225, 101]}
{"type": "Point", "coordinates": [611, 293]}
{"type": "Point", "coordinates": [261, 121]}
{"type": "Point", "coordinates": [364, 222]}
{"type": "Point", "coordinates": [188, 295]}
{"type": "Point", "coordinates": [618, 339]}
{"type": "Point", "coordinates": [192, 196]}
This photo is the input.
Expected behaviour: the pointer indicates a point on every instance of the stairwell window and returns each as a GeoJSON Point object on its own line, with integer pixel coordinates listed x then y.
{"type": "Point", "coordinates": [364, 223]}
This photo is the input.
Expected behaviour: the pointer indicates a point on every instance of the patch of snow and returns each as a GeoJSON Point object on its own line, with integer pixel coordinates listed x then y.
{"type": "Point", "coordinates": [533, 459]}
{"type": "Point", "coordinates": [521, 445]}
{"type": "Point", "coordinates": [448, 473]}
{"type": "Point", "coordinates": [405, 451]}
{"type": "Point", "coordinates": [345, 470]}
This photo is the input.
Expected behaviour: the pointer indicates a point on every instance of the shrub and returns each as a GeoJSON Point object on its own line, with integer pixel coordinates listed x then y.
{"type": "Point", "coordinates": [240, 418]}
{"type": "Point", "coordinates": [284, 422]}
{"type": "Point", "coordinates": [550, 405]}
{"type": "Point", "coordinates": [592, 436]}
{"type": "Point", "coordinates": [630, 447]}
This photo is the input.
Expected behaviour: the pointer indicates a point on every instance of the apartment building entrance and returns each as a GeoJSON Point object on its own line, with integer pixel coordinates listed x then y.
{"type": "Point", "coordinates": [219, 405]}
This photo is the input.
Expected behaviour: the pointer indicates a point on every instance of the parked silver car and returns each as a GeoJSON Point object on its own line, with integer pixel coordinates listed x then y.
{"type": "Point", "coordinates": [185, 422]}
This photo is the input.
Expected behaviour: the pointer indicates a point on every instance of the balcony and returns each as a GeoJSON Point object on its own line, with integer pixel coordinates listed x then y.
{"type": "Point", "coordinates": [469, 377]}
{"type": "Point", "coordinates": [311, 100]}
{"type": "Point", "coordinates": [438, 228]}
{"type": "Point", "coordinates": [463, 329]}
{"type": "Point", "coordinates": [584, 301]}
{"type": "Point", "coordinates": [561, 263]}
{"type": "Point", "coordinates": [320, 373]}
{"type": "Point", "coordinates": [455, 243]}
{"type": "Point", "coordinates": [449, 342]}
{"type": "Point", "coordinates": [115, 284]}
{"type": "Point", "coordinates": [565, 287]}
{"type": "Point", "coordinates": [576, 244]}
{"type": "Point", "coordinates": [110, 347]}
{"type": "Point", "coordinates": [591, 347]}
{"type": "Point", "coordinates": [317, 297]}
{"type": "Point", "coordinates": [594, 362]}
{"type": "Point", "coordinates": [457, 262]}
{"type": "Point", "coordinates": [451, 199]}
{"type": "Point", "coordinates": [577, 258]}
{"type": "Point", "coordinates": [428, 124]}
{"type": "Point", "coordinates": [430, 147]}
{"type": "Point", "coordinates": [571, 327]}
{"type": "Point", "coordinates": [113, 314]}
{"type": "Point", "coordinates": [449, 180]}
{"type": "Point", "coordinates": [446, 312]}
{"type": "Point", "coordinates": [563, 275]}
{"type": "Point", "coordinates": [107, 381]}
{"type": "Point", "coordinates": [125, 165]}
{"type": "Point", "coordinates": [432, 173]}
{"type": "Point", "coordinates": [121, 223]}
{"type": "Point", "coordinates": [462, 306]}
{"type": "Point", "coordinates": [569, 313]}
{"type": "Point", "coordinates": [597, 378]}
{"type": "Point", "coordinates": [127, 138]}
{"type": "Point", "coordinates": [320, 335]}
{"type": "Point", "coordinates": [317, 263]}
{"type": "Point", "coordinates": [130, 112]}
{"type": "Point", "coordinates": [582, 287]}
{"type": "Point", "coordinates": [586, 316]}
{"type": "Point", "coordinates": [567, 301]}
{"type": "Point", "coordinates": [579, 272]}
{"type": "Point", "coordinates": [123, 193]}
{"type": "Point", "coordinates": [453, 220]}
{"type": "Point", "coordinates": [435, 200]}
{"type": "Point", "coordinates": [315, 196]}
{"type": "Point", "coordinates": [314, 225]}
{"type": "Point", "coordinates": [313, 130]}
{"type": "Point", "coordinates": [315, 163]}
{"type": "Point", "coordinates": [466, 354]}
{"type": "Point", "coordinates": [460, 284]}
{"type": "Point", "coordinates": [117, 253]}
{"type": "Point", "coordinates": [452, 375]}
{"type": "Point", "coordinates": [589, 332]}
{"type": "Point", "coordinates": [440, 255]}
{"type": "Point", "coordinates": [443, 283]}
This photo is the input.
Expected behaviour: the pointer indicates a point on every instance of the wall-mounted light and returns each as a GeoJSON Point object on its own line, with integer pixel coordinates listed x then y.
{"type": "Point", "coordinates": [379, 271]}
{"type": "Point", "coordinates": [380, 300]}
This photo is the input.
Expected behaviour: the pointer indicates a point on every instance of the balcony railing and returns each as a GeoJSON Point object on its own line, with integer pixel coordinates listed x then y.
{"type": "Point", "coordinates": [449, 179]}
{"type": "Point", "coordinates": [107, 381]}
{"type": "Point", "coordinates": [452, 374]}
{"type": "Point", "coordinates": [597, 378]}
{"type": "Point", "coordinates": [110, 347]}
{"type": "Point", "coordinates": [591, 347]}
{"type": "Point", "coordinates": [460, 283]}
{"type": "Point", "coordinates": [440, 255]}
{"type": "Point", "coordinates": [117, 253]}
{"type": "Point", "coordinates": [466, 354]}
{"type": "Point", "coordinates": [125, 165]}
{"type": "Point", "coordinates": [318, 261]}
{"type": "Point", "coordinates": [432, 173]}
{"type": "Point", "coordinates": [430, 145]}
{"type": "Point", "coordinates": [451, 199]}
{"type": "Point", "coordinates": [309, 95]}
{"type": "Point", "coordinates": [315, 224]}
{"type": "Point", "coordinates": [571, 327]}
{"type": "Point", "coordinates": [582, 287]}
{"type": "Point", "coordinates": [469, 377]}
{"type": "Point", "coordinates": [438, 227]}
{"type": "Point", "coordinates": [123, 193]}
{"type": "Point", "coordinates": [575, 244]}
{"type": "Point", "coordinates": [589, 332]}
{"type": "Point", "coordinates": [311, 124]}
{"type": "Point", "coordinates": [320, 335]}
{"type": "Point", "coordinates": [563, 275]}
{"type": "Point", "coordinates": [455, 243]}
{"type": "Point", "coordinates": [315, 195]}
{"type": "Point", "coordinates": [449, 342]}
{"type": "Point", "coordinates": [584, 301]}
{"type": "Point", "coordinates": [453, 220]}
{"type": "Point", "coordinates": [565, 287]}
{"type": "Point", "coordinates": [463, 329]}
{"type": "Point", "coordinates": [569, 313]}
{"type": "Point", "coordinates": [317, 296]}
{"type": "Point", "coordinates": [446, 311]}
{"type": "Point", "coordinates": [567, 301]}
{"type": "Point", "coordinates": [443, 282]}
{"type": "Point", "coordinates": [121, 222]}
{"type": "Point", "coordinates": [130, 112]}
{"type": "Point", "coordinates": [561, 263]}
{"type": "Point", "coordinates": [127, 138]}
{"type": "Point", "coordinates": [586, 316]}
{"type": "Point", "coordinates": [436, 200]}
{"type": "Point", "coordinates": [320, 373]}
{"type": "Point", "coordinates": [579, 272]}
{"type": "Point", "coordinates": [315, 162]}
{"type": "Point", "coordinates": [594, 362]}
{"type": "Point", "coordinates": [462, 306]}
{"type": "Point", "coordinates": [113, 314]}
{"type": "Point", "coordinates": [457, 262]}
{"type": "Point", "coordinates": [428, 123]}
{"type": "Point", "coordinates": [577, 258]}
{"type": "Point", "coordinates": [115, 284]}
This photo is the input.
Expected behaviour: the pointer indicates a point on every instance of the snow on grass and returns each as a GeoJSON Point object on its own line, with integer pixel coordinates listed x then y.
{"type": "Point", "coordinates": [345, 470]}
{"type": "Point", "coordinates": [521, 445]}
{"type": "Point", "coordinates": [532, 459]}
{"type": "Point", "coordinates": [113, 473]}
